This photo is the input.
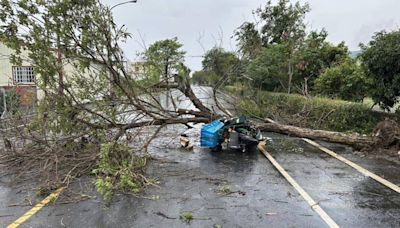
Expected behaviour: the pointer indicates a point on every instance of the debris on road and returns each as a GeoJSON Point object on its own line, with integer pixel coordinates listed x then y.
{"type": "Point", "coordinates": [237, 133]}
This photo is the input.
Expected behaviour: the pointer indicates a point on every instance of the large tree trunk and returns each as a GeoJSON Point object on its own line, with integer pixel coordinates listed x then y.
{"type": "Point", "coordinates": [355, 140]}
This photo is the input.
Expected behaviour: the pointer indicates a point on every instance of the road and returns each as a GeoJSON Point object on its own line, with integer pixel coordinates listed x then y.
{"type": "Point", "coordinates": [227, 189]}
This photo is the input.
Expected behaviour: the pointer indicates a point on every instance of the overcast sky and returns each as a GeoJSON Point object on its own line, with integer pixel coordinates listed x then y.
{"type": "Point", "coordinates": [202, 24]}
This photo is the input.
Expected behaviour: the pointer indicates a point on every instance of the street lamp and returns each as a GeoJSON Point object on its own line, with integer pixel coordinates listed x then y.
{"type": "Point", "coordinates": [123, 3]}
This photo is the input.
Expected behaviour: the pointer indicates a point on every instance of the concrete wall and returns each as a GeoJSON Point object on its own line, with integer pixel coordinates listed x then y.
{"type": "Point", "coordinates": [137, 70]}
{"type": "Point", "coordinates": [6, 77]}
{"type": "Point", "coordinates": [28, 93]}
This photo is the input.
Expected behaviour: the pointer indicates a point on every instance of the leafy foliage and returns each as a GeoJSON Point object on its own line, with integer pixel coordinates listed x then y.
{"type": "Point", "coordinates": [90, 99]}
{"type": "Point", "coordinates": [249, 40]}
{"type": "Point", "coordinates": [346, 81]}
{"type": "Point", "coordinates": [314, 113]}
{"type": "Point", "coordinates": [119, 170]}
{"type": "Point", "coordinates": [268, 69]}
{"type": "Point", "coordinates": [164, 58]}
{"type": "Point", "coordinates": [204, 78]}
{"type": "Point", "coordinates": [315, 55]}
{"type": "Point", "coordinates": [283, 22]}
{"type": "Point", "coordinates": [186, 217]}
{"type": "Point", "coordinates": [12, 101]}
{"type": "Point", "coordinates": [223, 64]}
{"type": "Point", "coordinates": [380, 59]}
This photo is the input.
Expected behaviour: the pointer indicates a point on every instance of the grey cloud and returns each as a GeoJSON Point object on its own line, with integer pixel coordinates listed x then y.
{"type": "Point", "coordinates": [352, 21]}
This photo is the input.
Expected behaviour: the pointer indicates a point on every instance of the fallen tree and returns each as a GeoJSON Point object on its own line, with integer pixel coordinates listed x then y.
{"type": "Point", "coordinates": [93, 109]}
{"type": "Point", "coordinates": [356, 140]}
{"type": "Point", "coordinates": [97, 117]}
{"type": "Point", "coordinates": [386, 135]}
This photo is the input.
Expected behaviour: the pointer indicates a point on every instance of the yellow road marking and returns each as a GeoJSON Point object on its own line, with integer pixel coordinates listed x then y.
{"type": "Point", "coordinates": [36, 208]}
{"type": "Point", "coordinates": [314, 205]}
{"type": "Point", "coordinates": [355, 166]}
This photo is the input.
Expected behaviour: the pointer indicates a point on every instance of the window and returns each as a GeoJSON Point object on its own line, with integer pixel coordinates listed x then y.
{"type": "Point", "coordinates": [23, 75]}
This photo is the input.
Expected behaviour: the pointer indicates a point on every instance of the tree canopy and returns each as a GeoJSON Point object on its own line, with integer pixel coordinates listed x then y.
{"type": "Point", "coordinates": [283, 22]}
{"type": "Point", "coordinates": [315, 55]}
{"type": "Point", "coordinates": [87, 120]}
{"type": "Point", "coordinates": [346, 81]}
{"type": "Point", "coordinates": [268, 70]}
{"type": "Point", "coordinates": [380, 59]}
{"type": "Point", "coordinates": [222, 63]}
{"type": "Point", "coordinates": [164, 58]}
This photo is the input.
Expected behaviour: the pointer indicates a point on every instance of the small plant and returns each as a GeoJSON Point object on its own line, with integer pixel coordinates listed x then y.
{"type": "Point", "coordinates": [42, 191]}
{"type": "Point", "coordinates": [119, 170]}
{"type": "Point", "coordinates": [225, 189]}
{"type": "Point", "coordinates": [186, 217]}
{"type": "Point", "coordinates": [105, 188]}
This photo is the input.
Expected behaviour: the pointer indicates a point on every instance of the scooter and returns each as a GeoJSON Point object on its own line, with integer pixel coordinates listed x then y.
{"type": "Point", "coordinates": [237, 133]}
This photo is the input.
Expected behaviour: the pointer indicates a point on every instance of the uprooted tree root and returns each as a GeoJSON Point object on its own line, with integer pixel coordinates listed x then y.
{"type": "Point", "coordinates": [386, 137]}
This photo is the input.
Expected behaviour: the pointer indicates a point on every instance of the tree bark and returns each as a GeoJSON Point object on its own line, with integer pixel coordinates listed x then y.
{"type": "Point", "coordinates": [355, 140]}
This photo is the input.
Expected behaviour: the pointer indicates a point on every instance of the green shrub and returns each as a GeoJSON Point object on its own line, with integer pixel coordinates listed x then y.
{"type": "Point", "coordinates": [346, 81]}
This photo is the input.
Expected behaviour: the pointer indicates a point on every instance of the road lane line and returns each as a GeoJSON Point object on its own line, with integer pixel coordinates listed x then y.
{"type": "Point", "coordinates": [355, 166]}
{"type": "Point", "coordinates": [36, 208]}
{"type": "Point", "coordinates": [314, 205]}
{"type": "Point", "coordinates": [350, 163]}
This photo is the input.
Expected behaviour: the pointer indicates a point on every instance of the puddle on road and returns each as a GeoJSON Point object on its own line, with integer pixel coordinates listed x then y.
{"type": "Point", "coordinates": [228, 161]}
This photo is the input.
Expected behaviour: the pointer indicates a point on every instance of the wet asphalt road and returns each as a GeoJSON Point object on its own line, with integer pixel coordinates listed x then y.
{"type": "Point", "coordinates": [191, 181]}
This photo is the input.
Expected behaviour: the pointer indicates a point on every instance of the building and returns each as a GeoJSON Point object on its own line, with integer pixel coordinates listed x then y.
{"type": "Point", "coordinates": [137, 69]}
{"type": "Point", "coordinates": [21, 78]}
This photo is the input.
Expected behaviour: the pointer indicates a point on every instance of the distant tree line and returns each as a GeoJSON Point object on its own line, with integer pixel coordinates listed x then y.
{"type": "Point", "coordinates": [277, 54]}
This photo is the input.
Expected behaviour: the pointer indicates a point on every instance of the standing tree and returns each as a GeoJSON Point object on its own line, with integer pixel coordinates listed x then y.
{"type": "Point", "coordinates": [346, 81]}
{"type": "Point", "coordinates": [268, 69]}
{"type": "Point", "coordinates": [223, 64]}
{"type": "Point", "coordinates": [314, 56]}
{"type": "Point", "coordinates": [204, 78]}
{"type": "Point", "coordinates": [164, 57]}
{"type": "Point", "coordinates": [380, 59]}
{"type": "Point", "coordinates": [282, 23]}
{"type": "Point", "coordinates": [249, 40]}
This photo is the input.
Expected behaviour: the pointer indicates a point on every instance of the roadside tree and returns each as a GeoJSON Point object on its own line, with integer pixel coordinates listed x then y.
{"type": "Point", "coordinates": [380, 59]}
{"type": "Point", "coordinates": [346, 81]}
{"type": "Point", "coordinates": [314, 56]}
{"type": "Point", "coordinates": [280, 24]}
{"type": "Point", "coordinates": [223, 64]}
{"type": "Point", "coordinates": [163, 58]}
{"type": "Point", "coordinates": [268, 69]}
